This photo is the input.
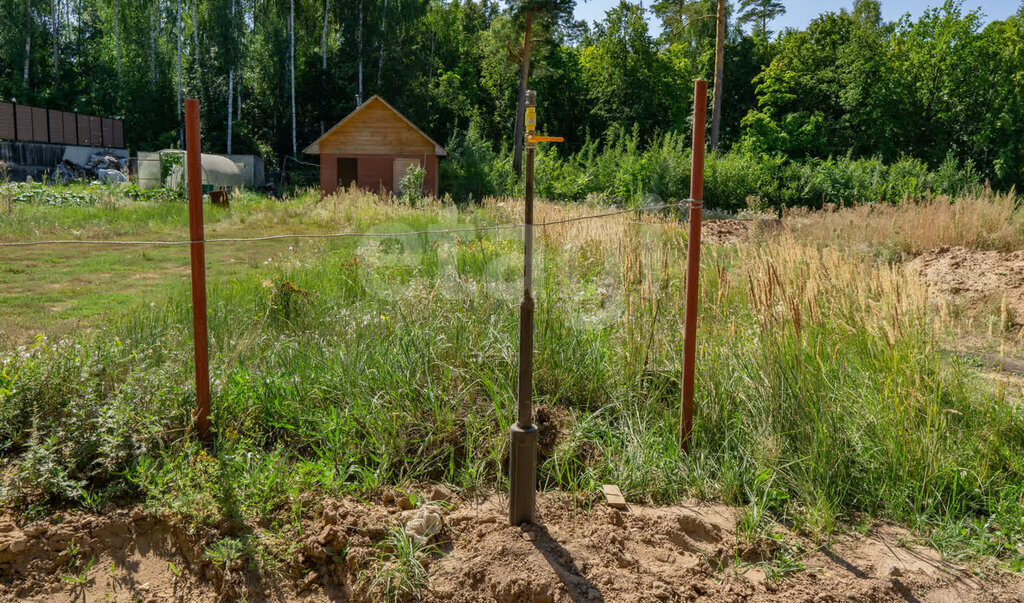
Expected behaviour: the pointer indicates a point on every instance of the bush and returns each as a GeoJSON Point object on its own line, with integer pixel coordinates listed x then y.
{"type": "Point", "coordinates": [625, 172]}
{"type": "Point", "coordinates": [412, 184]}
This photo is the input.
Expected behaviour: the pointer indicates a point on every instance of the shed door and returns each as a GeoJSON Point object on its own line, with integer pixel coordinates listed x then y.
{"type": "Point", "coordinates": [401, 166]}
{"type": "Point", "coordinates": [348, 171]}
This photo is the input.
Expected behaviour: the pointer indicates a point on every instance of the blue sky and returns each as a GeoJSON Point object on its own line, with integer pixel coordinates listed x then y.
{"type": "Point", "coordinates": [800, 13]}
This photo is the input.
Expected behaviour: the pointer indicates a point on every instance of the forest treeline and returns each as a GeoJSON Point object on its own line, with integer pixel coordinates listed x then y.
{"type": "Point", "coordinates": [933, 93]}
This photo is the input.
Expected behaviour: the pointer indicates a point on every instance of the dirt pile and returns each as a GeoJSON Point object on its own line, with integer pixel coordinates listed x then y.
{"type": "Point", "coordinates": [681, 553]}
{"type": "Point", "coordinates": [125, 555]}
{"type": "Point", "coordinates": [977, 277]}
{"type": "Point", "coordinates": [723, 232]}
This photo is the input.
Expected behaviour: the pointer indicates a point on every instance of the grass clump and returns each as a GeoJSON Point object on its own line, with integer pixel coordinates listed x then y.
{"type": "Point", "coordinates": [399, 574]}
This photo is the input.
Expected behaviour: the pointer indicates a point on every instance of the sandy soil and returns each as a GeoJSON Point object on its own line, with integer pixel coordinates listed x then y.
{"type": "Point", "coordinates": [687, 552]}
{"type": "Point", "coordinates": [723, 232]}
{"type": "Point", "coordinates": [976, 277]}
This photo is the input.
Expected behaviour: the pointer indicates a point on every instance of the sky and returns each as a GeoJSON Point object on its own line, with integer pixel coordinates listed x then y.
{"type": "Point", "coordinates": [800, 12]}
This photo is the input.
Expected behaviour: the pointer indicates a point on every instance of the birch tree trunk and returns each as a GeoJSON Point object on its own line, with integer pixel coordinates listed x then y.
{"type": "Point", "coordinates": [323, 44]}
{"type": "Point", "coordinates": [517, 136]}
{"type": "Point", "coordinates": [55, 35]}
{"type": "Point", "coordinates": [231, 77]}
{"type": "Point", "coordinates": [383, 30]}
{"type": "Point", "coordinates": [323, 57]}
{"type": "Point", "coordinates": [28, 46]}
{"type": "Point", "coordinates": [291, 53]}
{"type": "Point", "coordinates": [359, 87]}
{"type": "Point", "coordinates": [152, 45]}
{"type": "Point", "coordinates": [28, 58]}
{"type": "Point", "coordinates": [231, 97]}
{"type": "Point", "coordinates": [716, 107]}
{"type": "Point", "coordinates": [177, 18]}
{"type": "Point", "coordinates": [117, 35]}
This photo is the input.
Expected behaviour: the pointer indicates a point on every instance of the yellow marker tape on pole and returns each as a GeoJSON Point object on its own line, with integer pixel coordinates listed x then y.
{"type": "Point", "coordinates": [546, 139]}
{"type": "Point", "coordinates": [531, 118]}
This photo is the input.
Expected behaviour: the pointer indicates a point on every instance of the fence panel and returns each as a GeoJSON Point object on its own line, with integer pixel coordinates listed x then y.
{"type": "Point", "coordinates": [84, 137]}
{"type": "Point", "coordinates": [119, 133]}
{"type": "Point", "coordinates": [108, 132]}
{"type": "Point", "coordinates": [70, 127]}
{"type": "Point", "coordinates": [36, 124]}
{"type": "Point", "coordinates": [6, 121]}
{"type": "Point", "coordinates": [95, 131]}
{"type": "Point", "coordinates": [23, 119]}
{"type": "Point", "coordinates": [39, 127]}
{"type": "Point", "coordinates": [56, 126]}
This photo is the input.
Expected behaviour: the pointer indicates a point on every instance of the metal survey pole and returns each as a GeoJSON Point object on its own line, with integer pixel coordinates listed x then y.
{"type": "Point", "coordinates": [700, 102]}
{"type": "Point", "coordinates": [198, 256]}
{"type": "Point", "coordinates": [523, 461]}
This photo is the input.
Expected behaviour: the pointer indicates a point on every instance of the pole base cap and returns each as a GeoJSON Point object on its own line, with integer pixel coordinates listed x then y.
{"type": "Point", "coordinates": [522, 500]}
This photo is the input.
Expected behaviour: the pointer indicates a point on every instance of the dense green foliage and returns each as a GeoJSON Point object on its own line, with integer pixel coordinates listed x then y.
{"type": "Point", "coordinates": [624, 171]}
{"type": "Point", "coordinates": [941, 86]}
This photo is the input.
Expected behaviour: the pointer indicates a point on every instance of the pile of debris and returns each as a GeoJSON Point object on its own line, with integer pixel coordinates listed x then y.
{"type": "Point", "coordinates": [103, 167]}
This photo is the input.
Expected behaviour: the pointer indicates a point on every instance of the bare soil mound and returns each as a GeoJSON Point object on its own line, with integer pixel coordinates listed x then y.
{"type": "Point", "coordinates": [977, 277]}
{"type": "Point", "coordinates": [723, 232]}
{"type": "Point", "coordinates": [681, 553]}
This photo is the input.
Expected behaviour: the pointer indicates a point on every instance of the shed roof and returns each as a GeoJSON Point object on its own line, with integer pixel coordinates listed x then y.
{"type": "Point", "coordinates": [352, 120]}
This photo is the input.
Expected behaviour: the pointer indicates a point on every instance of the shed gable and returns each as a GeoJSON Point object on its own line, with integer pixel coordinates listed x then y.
{"type": "Point", "coordinates": [375, 128]}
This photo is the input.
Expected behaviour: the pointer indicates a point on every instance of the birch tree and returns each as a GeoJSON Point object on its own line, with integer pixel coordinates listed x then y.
{"type": "Point", "coordinates": [55, 34]}
{"type": "Point", "coordinates": [291, 57]}
{"type": "Point", "coordinates": [359, 87]}
{"type": "Point", "coordinates": [383, 35]}
{"type": "Point", "coordinates": [177, 37]}
{"type": "Point", "coordinates": [117, 35]}
{"type": "Point", "coordinates": [28, 46]}
{"type": "Point", "coordinates": [152, 45]}
{"type": "Point", "coordinates": [323, 43]}
{"type": "Point", "coordinates": [716, 106]}
{"type": "Point", "coordinates": [323, 55]}
{"type": "Point", "coordinates": [231, 72]}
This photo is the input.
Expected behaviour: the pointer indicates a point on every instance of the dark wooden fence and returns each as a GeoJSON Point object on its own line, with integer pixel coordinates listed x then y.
{"type": "Point", "coordinates": [34, 124]}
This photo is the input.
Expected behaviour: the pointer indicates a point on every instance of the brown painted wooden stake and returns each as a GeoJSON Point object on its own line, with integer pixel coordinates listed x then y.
{"type": "Point", "coordinates": [193, 159]}
{"type": "Point", "coordinates": [700, 101]}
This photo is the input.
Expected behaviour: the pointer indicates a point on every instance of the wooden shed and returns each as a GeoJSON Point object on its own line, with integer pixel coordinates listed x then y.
{"type": "Point", "coordinates": [373, 148]}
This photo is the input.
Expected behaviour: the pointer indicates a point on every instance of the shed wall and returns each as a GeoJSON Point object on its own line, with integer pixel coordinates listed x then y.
{"type": "Point", "coordinates": [375, 171]}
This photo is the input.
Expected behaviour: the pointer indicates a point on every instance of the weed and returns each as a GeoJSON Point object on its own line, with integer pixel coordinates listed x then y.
{"type": "Point", "coordinates": [400, 574]}
{"type": "Point", "coordinates": [785, 561]}
{"type": "Point", "coordinates": [226, 551]}
{"type": "Point", "coordinates": [81, 578]}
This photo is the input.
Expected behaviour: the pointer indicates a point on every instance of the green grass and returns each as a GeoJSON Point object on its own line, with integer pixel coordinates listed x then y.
{"type": "Point", "coordinates": [56, 290]}
{"type": "Point", "coordinates": [349, 365]}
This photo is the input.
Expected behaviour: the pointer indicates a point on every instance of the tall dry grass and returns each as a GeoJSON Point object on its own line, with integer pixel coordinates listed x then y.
{"type": "Point", "coordinates": [986, 221]}
{"type": "Point", "coordinates": [792, 284]}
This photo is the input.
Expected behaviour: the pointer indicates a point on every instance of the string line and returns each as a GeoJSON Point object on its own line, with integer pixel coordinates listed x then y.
{"type": "Point", "coordinates": [337, 235]}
